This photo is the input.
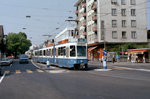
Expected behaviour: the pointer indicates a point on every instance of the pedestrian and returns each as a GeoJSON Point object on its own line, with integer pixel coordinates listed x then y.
{"type": "Point", "coordinates": [113, 59]}
{"type": "Point", "coordinates": [144, 59]}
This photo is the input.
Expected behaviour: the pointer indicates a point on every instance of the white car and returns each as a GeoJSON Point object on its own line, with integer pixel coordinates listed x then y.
{"type": "Point", "coordinates": [5, 62]}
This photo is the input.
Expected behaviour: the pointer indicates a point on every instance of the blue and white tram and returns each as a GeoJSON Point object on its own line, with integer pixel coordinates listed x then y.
{"type": "Point", "coordinates": [71, 55]}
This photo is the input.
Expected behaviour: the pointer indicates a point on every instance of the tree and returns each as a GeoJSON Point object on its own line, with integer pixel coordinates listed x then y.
{"type": "Point", "coordinates": [17, 43]}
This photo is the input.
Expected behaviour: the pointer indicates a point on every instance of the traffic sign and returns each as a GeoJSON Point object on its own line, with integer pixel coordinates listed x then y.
{"type": "Point", "coordinates": [104, 52]}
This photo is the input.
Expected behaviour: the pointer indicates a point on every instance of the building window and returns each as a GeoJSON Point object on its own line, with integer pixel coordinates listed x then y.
{"type": "Point", "coordinates": [124, 34]}
{"type": "Point", "coordinates": [133, 12]}
{"type": "Point", "coordinates": [132, 2]}
{"type": "Point", "coordinates": [114, 2]}
{"type": "Point", "coordinates": [123, 2]}
{"type": "Point", "coordinates": [114, 34]}
{"type": "Point", "coordinates": [123, 12]}
{"type": "Point", "coordinates": [133, 35]}
{"type": "Point", "coordinates": [114, 23]}
{"type": "Point", "coordinates": [123, 23]}
{"type": "Point", "coordinates": [114, 12]}
{"type": "Point", "coordinates": [133, 23]}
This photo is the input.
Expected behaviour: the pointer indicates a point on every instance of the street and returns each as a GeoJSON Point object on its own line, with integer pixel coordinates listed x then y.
{"type": "Point", "coordinates": [26, 81]}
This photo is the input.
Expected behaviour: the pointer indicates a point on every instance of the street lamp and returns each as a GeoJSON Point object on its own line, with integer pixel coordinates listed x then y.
{"type": "Point", "coordinates": [4, 43]}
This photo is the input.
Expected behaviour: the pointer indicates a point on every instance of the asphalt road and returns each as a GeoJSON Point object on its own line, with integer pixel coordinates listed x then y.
{"type": "Point", "coordinates": [25, 81]}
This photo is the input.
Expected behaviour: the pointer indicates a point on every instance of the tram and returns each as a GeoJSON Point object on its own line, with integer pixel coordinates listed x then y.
{"type": "Point", "coordinates": [70, 55]}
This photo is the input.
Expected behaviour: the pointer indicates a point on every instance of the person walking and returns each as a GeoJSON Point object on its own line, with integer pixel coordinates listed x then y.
{"type": "Point", "coordinates": [113, 59]}
{"type": "Point", "coordinates": [144, 59]}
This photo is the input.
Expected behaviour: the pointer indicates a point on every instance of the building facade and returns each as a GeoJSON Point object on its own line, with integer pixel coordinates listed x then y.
{"type": "Point", "coordinates": [81, 14]}
{"type": "Point", "coordinates": [110, 22]}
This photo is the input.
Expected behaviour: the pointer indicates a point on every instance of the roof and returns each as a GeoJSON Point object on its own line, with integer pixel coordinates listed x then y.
{"type": "Point", "coordinates": [78, 2]}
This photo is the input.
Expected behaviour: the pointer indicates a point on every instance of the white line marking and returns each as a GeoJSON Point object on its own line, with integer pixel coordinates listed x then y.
{"type": "Point", "coordinates": [10, 65]}
{"type": "Point", "coordinates": [34, 64]}
{"type": "Point", "coordinates": [146, 70]}
{"type": "Point", "coordinates": [2, 78]}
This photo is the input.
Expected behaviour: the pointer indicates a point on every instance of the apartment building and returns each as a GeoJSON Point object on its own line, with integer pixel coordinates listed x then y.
{"type": "Point", "coordinates": [81, 19]}
{"type": "Point", "coordinates": [111, 22]}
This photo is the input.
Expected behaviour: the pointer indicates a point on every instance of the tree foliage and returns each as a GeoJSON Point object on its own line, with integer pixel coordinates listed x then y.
{"type": "Point", "coordinates": [17, 43]}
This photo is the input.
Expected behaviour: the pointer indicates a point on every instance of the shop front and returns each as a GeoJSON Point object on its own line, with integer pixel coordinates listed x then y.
{"type": "Point", "coordinates": [95, 53]}
{"type": "Point", "coordinates": [139, 55]}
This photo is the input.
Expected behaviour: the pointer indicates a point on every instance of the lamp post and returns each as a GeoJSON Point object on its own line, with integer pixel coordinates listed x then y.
{"type": "Point", "coordinates": [4, 44]}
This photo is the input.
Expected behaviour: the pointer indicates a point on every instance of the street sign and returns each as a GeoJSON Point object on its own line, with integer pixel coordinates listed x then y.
{"type": "Point", "coordinates": [104, 52]}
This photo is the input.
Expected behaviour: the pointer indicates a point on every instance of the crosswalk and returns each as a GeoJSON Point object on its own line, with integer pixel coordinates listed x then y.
{"type": "Point", "coordinates": [19, 71]}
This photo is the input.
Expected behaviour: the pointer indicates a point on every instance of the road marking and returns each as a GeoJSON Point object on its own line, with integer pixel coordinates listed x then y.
{"type": "Point", "coordinates": [10, 65]}
{"type": "Point", "coordinates": [34, 64]}
{"type": "Point", "coordinates": [40, 70]}
{"type": "Point", "coordinates": [7, 72]}
{"type": "Point", "coordinates": [122, 68]}
{"type": "Point", "coordinates": [1, 79]}
{"type": "Point", "coordinates": [146, 70]}
{"type": "Point", "coordinates": [18, 71]}
{"type": "Point", "coordinates": [29, 71]}
{"type": "Point", "coordinates": [58, 71]}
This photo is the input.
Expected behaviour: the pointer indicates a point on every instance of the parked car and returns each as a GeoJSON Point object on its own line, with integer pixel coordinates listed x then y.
{"type": "Point", "coordinates": [5, 62]}
{"type": "Point", "coordinates": [23, 59]}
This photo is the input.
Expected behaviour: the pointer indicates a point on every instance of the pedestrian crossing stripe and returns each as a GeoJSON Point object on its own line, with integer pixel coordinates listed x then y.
{"type": "Point", "coordinates": [19, 72]}
{"type": "Point", "coordinates": [7, 72]}
{"type": "Point", "coordinates": [29, 71]}
{"type": "Point", "coordinates": [40, 70]}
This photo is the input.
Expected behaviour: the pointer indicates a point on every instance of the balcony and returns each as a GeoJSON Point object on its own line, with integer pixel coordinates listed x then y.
{"type": "Point", "coordinates": [84, 33]}
{"type": "Point", "coordinates": [76, 20]}
{"type": "Point", "coordinates": [84, 14]}
{"type": "Point", "coordinates": [84, 24]}
{"type": "Point", "coordinates": [83, 5]}
{"type": "Point", "coordinates": [94, 6]}
{"type": "Point", "coordinates": [94, 17]}
{"type": "Point", "coordinates": [76, 12]}
{"type": "Point", "coordinates": [95, 28]}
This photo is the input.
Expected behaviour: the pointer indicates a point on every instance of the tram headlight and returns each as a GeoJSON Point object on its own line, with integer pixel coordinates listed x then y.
{"type": "Point", "coordinates": [81, 61]}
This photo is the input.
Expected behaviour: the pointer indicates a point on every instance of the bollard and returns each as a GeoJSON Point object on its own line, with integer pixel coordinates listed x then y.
{"type": "Point", "coordinates": [47, 64]}
{"type": "Point", "coordinates": [104, 65]}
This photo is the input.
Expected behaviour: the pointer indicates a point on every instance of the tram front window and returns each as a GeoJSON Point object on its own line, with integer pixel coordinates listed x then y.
{"type": "Point", "coordinates": [81, 51]}
{"type": "Point", "coordinates": [72, 51]}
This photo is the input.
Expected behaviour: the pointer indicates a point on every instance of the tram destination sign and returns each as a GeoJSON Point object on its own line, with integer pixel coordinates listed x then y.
{"type": "Point", "coordinates": [81, 40]}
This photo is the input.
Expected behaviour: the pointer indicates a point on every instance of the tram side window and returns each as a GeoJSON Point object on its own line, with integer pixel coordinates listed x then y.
{"type": "Point", "coordinates": [47, 52]}
{"type": "Point", "coordinates": [59, 51]}
{"type": "Point", "coordinates": [50, 51]}
{"type": "Point", "coordinates": [62, 51]}
{"type": "Point", "coordinates": [40, 52]}
{"type": "Point", "coordinates": [44, 53]}
{"type": "Point", "coordinates": [72, 51]}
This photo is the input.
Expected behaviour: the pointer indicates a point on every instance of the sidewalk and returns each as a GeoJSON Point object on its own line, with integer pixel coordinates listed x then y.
{"type": "Point", "coordinates": [98, 64]}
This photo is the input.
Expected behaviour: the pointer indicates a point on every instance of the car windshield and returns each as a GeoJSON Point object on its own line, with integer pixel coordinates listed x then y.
{"type": "Point", "coordinates": [23, 56]}
{"type": "Point", "coordinates": [81, 51]}
{"type": "Point", "coordinates": [5, 59]}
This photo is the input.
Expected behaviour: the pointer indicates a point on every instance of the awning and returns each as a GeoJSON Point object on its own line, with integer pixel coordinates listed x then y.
{"type": "Point", "coordinates": [136, 51]}
{"type": "Point", "coordinates": [92, 48]}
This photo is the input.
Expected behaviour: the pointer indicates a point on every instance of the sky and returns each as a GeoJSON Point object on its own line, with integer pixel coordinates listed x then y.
{"type": "Point", "coordinates": [47, 17]}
